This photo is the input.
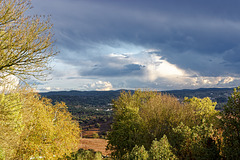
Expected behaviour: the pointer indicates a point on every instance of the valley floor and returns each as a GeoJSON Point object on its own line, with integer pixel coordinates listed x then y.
{"type": "Point", "coordinates": [95, 144]}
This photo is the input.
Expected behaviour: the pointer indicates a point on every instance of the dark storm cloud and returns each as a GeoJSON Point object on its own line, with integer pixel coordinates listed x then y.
{"type": "Point", "coordinates": [232, 56]}
{"type": "Point", "coordinates": [200, 35]}
{"type": "Point", "coordinates": [177, 24]}
{"type": "Point", "coordinates": [110, 71]}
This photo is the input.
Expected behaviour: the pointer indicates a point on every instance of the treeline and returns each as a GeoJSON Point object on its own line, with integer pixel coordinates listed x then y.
{"type": "Point", "coordinates": [151, 125]}
{"type": "Point", "coordinates": [83, 98]}
{"type": "Point", "coordinates": [103, 98]}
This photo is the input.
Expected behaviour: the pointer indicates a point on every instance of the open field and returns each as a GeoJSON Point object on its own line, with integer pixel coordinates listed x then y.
{"type": "Point", "coordinates": [95, 144]}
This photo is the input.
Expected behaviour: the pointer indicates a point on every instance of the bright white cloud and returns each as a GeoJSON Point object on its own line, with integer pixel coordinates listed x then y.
{"type": "Point", "coordinates": [150, 70]}
{"type": "Point", "coordinates": [159, 68]}
{"type": "Point", "coordinates": [228, 80]}
{"type": "Point", "coordinates": [99, 86]}
{"type": "Point", "coordinates": [213, 81]}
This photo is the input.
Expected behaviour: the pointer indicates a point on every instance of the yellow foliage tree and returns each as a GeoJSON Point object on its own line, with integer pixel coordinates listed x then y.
{"type": "Point", "coordinates": [10, 123]}
{"type": "Point", "coordinates": [25, 42]}
{"type": "Point", "coordinates": [37, 128]}
{"type": "Point", "coordinates": [31, 126]}
{"type": "Point", "coordinates": [203, 109]}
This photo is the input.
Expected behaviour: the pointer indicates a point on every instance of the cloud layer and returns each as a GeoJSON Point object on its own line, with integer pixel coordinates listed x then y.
{"type": "Point", "coordinates": [144, 44]}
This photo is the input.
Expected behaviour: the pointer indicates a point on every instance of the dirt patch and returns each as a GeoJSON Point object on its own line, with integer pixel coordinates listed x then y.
{"type": "Point", "coordinates": [95, 144]}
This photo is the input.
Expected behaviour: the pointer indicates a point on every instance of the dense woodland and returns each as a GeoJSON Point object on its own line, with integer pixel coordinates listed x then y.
{"type": "Point", "coordinates": [151, 125]}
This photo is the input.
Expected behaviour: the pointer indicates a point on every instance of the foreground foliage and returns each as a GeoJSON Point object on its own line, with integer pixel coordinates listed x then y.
{"type": "Point", "coordinates": [231, 126]}
{"type": "Point", "coordinates": [195, 143]}
{"type": "Point", "coordinates": [142, 117]}
{"type": "Point", "coordinates": [82, 154]}
{"type": "Point", "coordinates": [161, 149]}
{"type": "Point", "coordinates": [33, 127]}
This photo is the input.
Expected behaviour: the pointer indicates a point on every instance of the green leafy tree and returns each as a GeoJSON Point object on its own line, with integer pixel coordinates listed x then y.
{"type": "Point", "coordinates": [198, 142]}
{"type": "Point", "coordinates": [163, 112]}
{"type": "Point", "coordinates": [231, 126]}
{"type": "Point", "coordinates": [138, 153]}
{"type": "Point", "coordinates": [82, 154]}
{"type": "Point", "coordinates": [203, 109]}
{"type": "Point", "coordinates": [161, 150]}
{"type": "Point", "coordinates": [128, 129]}
{"type": "Point", "coordinates": [126, 134]}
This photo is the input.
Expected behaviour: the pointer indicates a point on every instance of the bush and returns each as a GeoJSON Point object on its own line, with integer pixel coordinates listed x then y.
{"type": "Point", "coordinates": [98, 156]}
{"type": "Point", "coordinates": [138, 153]}
{"type": "Point", "coordinates": [82, 154]}
{"type": "Point", "coordinates": [161, 149]}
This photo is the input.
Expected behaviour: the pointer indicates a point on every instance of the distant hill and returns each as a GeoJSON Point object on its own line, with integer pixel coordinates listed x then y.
{"type": "Point", "coordinates": [83, 98]}
{"type": "Point", "coordinates": [219, 95]}
{"type": "Point", "coordinates": [103, 98]}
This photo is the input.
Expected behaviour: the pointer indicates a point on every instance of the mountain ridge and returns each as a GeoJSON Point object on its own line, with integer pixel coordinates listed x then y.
{"type": "Point", "coordinates": [103, 98]}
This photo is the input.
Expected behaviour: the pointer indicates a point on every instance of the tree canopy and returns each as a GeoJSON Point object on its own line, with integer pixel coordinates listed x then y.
{"type": "Point", "coordinates": [143, 116]}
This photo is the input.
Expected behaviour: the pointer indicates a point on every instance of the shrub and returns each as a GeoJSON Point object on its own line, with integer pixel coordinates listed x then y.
{"type": "Point", "coordinates": [138, 153]}
{"type": "Point", "coordinates": [161, 149]}
{"type": "Point", "coordinates": [82, 154]}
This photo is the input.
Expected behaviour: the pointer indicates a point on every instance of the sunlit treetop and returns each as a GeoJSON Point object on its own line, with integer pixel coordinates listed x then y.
{"type": "Point", "coordinates": [26, 44]}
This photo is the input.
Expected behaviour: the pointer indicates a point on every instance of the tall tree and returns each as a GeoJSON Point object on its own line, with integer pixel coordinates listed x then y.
{"type": "Point", "coordinates": [25, 42]}
{"type": "Point", "coordinates": [31, 126]}
{"type": "Point", "coordinates": [128, 127]}
{"type": "Point", "coordinates": [231, 126]}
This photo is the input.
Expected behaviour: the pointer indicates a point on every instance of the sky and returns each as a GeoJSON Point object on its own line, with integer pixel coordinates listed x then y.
{"type": "Point", "coordinates": [153, 44]}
